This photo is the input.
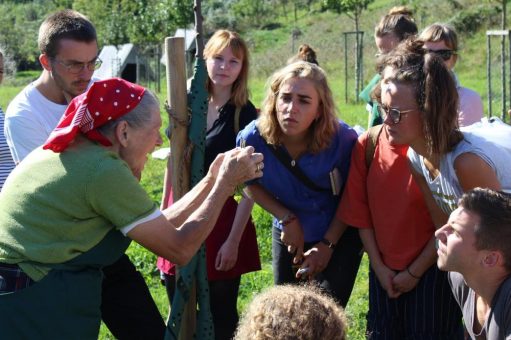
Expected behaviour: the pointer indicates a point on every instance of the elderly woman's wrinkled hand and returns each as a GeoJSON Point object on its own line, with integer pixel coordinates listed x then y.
{"type": "Point", "coordinates": [240, 165]}
{"type": "Point", "coordinates": [214, 168]}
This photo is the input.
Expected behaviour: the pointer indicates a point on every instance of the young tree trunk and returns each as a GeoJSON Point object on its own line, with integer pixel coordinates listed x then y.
{"type": "Point", "coordinates": [357, 56]}
{"type": "Point", "coordinates": [504, 18]}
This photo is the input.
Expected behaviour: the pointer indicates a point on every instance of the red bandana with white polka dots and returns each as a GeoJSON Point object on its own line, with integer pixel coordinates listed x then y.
{"type": "Point", "coordinates": [104, 101]}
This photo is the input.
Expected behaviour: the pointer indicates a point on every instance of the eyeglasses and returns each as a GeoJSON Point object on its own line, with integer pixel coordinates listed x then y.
{"type": "Point", "coordinates": [444, 54]}
{"type": "Point", "coordinates": [76, 68]}
{"type": "Point", "coordinates": [394, 114]}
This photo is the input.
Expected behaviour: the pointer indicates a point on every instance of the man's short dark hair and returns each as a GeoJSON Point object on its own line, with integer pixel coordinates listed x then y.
{"type": "Point", "coordinates": [65, 24]}
{"type": "Point", "coordinates": [493, 232]}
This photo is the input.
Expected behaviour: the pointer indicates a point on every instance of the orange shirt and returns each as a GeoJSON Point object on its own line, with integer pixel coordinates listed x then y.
{"type": "Point", "coordinates": [387, 199]}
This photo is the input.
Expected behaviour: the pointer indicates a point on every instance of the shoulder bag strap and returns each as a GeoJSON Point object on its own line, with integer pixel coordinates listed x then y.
{"type": "Point", "coordinates": [372, 140]}
{"type": "Point", "coordinates": [284, 158]}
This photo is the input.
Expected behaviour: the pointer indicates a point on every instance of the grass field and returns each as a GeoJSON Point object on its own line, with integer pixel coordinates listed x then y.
{"type": "Point", "coordinates": [270, 50]}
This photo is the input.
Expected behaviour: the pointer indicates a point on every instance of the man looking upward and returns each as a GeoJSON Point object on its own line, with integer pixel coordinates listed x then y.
{"type": "Point", "coordinates": [475, 247]}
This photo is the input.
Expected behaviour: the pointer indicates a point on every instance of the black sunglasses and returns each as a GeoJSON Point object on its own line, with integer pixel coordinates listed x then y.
{"type": "Point", "coordinates": [444, 54]}
{"type": "Point", "coordinates": [394, 114]}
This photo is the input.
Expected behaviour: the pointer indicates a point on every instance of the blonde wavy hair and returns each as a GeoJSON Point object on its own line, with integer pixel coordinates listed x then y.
{"type": "Point", "coordinates": [220, 40]}
{"type": "Point", "coordinates": [292, 312]}
{"type": "Point", "coordinates": [322, 129]}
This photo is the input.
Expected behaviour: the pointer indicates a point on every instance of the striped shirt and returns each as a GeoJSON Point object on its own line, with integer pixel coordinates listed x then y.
{"type": "Point", "coordinates": [6, 162]}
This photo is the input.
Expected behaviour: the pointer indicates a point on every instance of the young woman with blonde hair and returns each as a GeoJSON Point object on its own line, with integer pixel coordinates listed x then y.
{"type": "Point", "coordinates": [307, 152]}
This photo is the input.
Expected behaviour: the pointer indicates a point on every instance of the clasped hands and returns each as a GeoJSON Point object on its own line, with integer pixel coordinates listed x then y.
{"type": "Point", "coordinates": [393, 282]}
{"type": "Point", "coordinates": [311, 262]}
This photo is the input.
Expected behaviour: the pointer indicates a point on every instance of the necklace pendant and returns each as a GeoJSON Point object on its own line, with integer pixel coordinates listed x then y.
{"type": "Point", "coordinates": [293, 163]}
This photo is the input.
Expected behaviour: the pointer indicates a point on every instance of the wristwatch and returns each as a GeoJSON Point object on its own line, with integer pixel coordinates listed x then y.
{"type": "Point", "coordinates": [328, 243]}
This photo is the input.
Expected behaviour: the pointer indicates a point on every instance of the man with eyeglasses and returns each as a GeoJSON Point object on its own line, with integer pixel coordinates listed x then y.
{"type": "Point", "coordinates": [69, 56]}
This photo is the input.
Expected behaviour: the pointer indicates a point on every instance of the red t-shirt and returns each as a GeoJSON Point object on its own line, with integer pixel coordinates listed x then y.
{"type": "Point", "coordinates": [387, 199]}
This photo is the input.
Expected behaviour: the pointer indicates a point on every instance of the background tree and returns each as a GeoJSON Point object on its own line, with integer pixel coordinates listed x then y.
{"type": "Point", "coordinates": [353, 9]}
{"type": "Point", "coordinates": [19, 28]}
{"type": "Point", "coordinates": [142, 22]}
{"type": "Point", "coordinates": [254, 13]}
{"type": "Point", "coordinates": [218, 13]}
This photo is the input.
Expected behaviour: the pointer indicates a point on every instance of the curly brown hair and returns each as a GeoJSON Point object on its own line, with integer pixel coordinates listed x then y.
{"type": "Point", "coordinates": [435, 92]}
{"type": "Point", "coordinates": [288, 312]}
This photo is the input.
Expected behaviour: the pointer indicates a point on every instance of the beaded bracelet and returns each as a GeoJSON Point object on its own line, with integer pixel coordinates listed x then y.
{"type": "Point", "coordinates": [328, 243]}
{"type": "Point", "coordinates": [410, 273]}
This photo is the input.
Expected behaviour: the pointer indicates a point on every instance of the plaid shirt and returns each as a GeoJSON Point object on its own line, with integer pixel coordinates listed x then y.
{"type": "Point", "coordinates": [12, 278]}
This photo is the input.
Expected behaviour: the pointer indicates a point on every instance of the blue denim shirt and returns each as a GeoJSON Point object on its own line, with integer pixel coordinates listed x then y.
{"type": "Point", "coordinates": [314, 209]}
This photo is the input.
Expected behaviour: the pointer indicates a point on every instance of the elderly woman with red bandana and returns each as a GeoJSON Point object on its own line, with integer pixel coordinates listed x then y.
{"type": "Point", "coordinates": [75, 204]}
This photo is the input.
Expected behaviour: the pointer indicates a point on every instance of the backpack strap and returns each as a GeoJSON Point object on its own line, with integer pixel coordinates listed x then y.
{"type": "Point", "coordinates": [237, 120]}
{"type": "Point", "coordinates": [373, 134]}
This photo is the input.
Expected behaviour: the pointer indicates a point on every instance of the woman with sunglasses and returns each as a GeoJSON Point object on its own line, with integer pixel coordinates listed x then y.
{"type": "Point", "coordinates": [419, 102]}
{"type": "Point", "coordinates": [442, 40]}
{"type": "Point", "coordinates": [393, 28]}
{"type": "Point", "coordinates": [386, 204]}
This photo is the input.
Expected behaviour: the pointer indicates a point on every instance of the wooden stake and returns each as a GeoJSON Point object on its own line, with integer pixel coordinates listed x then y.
{"type": "Point", "coordinates": [180, 155]}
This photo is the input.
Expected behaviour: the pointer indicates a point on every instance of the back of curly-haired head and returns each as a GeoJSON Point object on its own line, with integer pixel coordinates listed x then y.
{"type": "Point", "coordinates": [288, 312]}
{"type": "Point", "coordinates": [435, 91]}
{"type": "Point", "coordinates": [322, 129]}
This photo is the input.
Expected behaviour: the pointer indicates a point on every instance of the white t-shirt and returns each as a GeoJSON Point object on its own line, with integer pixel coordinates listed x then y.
{"type": "Point", "coordinates": [29, 120]}
{"type": "Point", "coordinates": [470, 109]}
{"type": "Point", "coordinates": [445, 188]}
